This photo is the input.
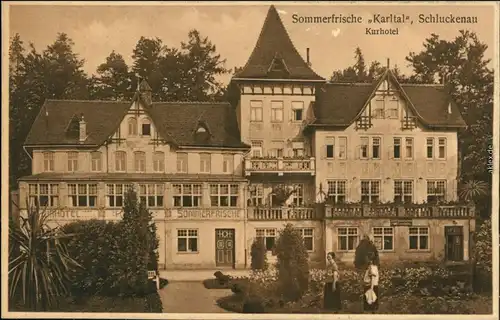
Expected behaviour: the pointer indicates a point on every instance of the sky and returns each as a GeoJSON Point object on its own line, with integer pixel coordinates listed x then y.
{"type": "Point", "coordinates": [99, 29]}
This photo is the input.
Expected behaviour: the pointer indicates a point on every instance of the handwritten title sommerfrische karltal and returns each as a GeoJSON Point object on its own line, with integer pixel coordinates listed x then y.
{"type": "Point", "coordinates": [379, 20]}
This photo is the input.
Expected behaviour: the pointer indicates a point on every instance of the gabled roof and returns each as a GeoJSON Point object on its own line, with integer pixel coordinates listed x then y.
{"type": "Point", "coordinates": [340, 104]}
{"type": "Point", "coordinates": [175, 122]}
{"type": "Point", "coordinates": [274, 41]}
{"type": "Point", "coordinates": [102, 117]}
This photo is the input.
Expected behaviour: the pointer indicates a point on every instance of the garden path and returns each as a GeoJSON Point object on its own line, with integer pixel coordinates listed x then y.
{"type": "Point", "coordinates": [191, 297]}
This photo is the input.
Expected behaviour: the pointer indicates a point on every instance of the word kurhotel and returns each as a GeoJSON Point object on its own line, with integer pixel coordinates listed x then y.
{"type": "Point", "coordinates": [338, 161]}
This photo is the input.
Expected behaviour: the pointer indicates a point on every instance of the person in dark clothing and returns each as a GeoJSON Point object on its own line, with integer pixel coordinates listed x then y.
{"type": "Point", "coordinates": [331, 296]}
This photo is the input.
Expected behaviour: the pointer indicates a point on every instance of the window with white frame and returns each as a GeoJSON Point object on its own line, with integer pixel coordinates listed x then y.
{"type": "Point", "coordinates": [337, 191]}
{"type": "Point", "coordinates": [96, 161]}
{"type": "Point", "coordinates": [115, 194]}
{"type": "Point", "coordinates": [146, 127]}
{"type": "Point", "coordinates": [151, 195]}
{"type": "Point", "coordinates": [82, 195]}
{"type": "Point", "coordinates": [187, 195]}
{"type": "Point", "coordinates": [48, 161]}
{"type": "Point", "coordinates": [256, 195]}
{"type": "Point", "coordinates": [342, 149]}
{"type": "Point", "coordinates": [430, 148]}
{"type": "Point", "coordinates": [224, 195]}
{"type": "Point", "coordinates": [257, 150]}
{"type": "Point", "coordinates": [403, 191]}
{"type": "Point", "coordinates": [277, 111]}
{"type": "Point", "coordinates": [442, 148]}
{"type": "Point", "coordinates": [363, 151]}
{"type": "Point", "coordinates": [298, 195]}
{"type": "Point", "coordinates": [418, 238]}
{"type": "Point", "coordinates": [397, 148]}
{"type": "Point", "coordinates": [348, 238]}
{"type": "Point", "coordinates": [330, 147]}
{"type": "Point", "coordinates": [256, 111]}
{"type": "Point", "coordinates": [384, 238]}
{"type": "Point", "coordinates": [120, 161]}
{"type": "Point", "coordinates": [376, 148]}
{"type": "Point", "coordinates": [43, 195]}
{"type": "Point", "coordinates": [370, 191]}
{"type": "Point", "coordinates": [187, 240]}
{"type": "Point", "coordinates": [378, 108]}
{"type": "Point", "coordinates": [409, 148]}
{"type": "Point", "coordinates": [72, 161]}
{"type": "Point", "coordinates": [159, 161]}
{"type": "Point", "coordinates": [392, 104]}
{"type": "Point", "coordinates": [297, 111]}
{"type": "Point", "coordinates": [268, 236]}
{"type": "Point", "coordinates": [205, 162]}
{"type": "Point", "coordinates": [298, 148]}
{"type": "Point", "coordinates": [132, 127]}
{"type": "Point", "coordinates": [277, 149]}
{"type": "Point", "coordinates": [308, 236]}
{"type": "Point", "coordinates": [228, 163]}
{"type": "Point", "coordinates": [140, 161]}
{"type": "Point", "coordinates": [182, 162]}
{"type": "Point", "coordinates": [436, 191]}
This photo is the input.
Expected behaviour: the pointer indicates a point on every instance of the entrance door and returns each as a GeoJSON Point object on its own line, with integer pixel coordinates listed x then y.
{"type": "Point", "coordinates": [454, 243]}
{"type": "Point", "coordinates": [224, 247]}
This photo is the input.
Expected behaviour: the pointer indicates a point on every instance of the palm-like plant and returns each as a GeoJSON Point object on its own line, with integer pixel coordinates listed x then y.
{"type": "Point", "coordinates": [473, 189]}
{"type": "Point", "coordinates": [40, 267]}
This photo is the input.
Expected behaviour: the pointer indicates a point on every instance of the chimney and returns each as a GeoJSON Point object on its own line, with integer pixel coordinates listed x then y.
{"type": "Point", "coordinates": [388, 64]}
{"type": "Point", "coordinates": [83, 129]}
{"type": "Point", "coordinates": [307, 55]}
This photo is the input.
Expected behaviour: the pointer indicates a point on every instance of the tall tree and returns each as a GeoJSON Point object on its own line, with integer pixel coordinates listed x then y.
{"type": "Point", "coordinates": [113, 80]}
{"type": "Point", "coordinates": [360, 66]}
{"type": "Point", "coordinates": [148, 55]}
{"type": "Point", "coordinates": [462, 65]}
{"type": "Point", "coordinates": [56, 73]}
{"type": "Point", "coordinates": [201, 65]}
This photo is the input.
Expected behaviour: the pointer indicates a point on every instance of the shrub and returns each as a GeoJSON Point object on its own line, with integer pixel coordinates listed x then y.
{"type": "Point", "coordinates": [259, 255]}
{"type": "Point", "coordinates": [364, 249]}
{"type": "Point", "coordinates": [222, 278]}
{"type": "Point", "coordinates": [483, 257]}
{"type": "Point", "coordinates": [292, 264]}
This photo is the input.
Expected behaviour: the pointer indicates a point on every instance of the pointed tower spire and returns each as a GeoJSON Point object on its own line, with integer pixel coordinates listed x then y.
{"type": "Point", "coordinates": [275, 56]}
{"type": "Point", "coordinates": [145, 91]}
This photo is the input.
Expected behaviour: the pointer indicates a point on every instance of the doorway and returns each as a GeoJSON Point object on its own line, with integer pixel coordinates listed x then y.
{"type": "Point", "coordinates": [224, 247]}
{"type": "Point", "coordinates": [454, 243]}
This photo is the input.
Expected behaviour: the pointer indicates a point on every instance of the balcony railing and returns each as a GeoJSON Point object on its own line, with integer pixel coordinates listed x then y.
{"type": "Point", "coordinates": [398, 211]}
{"type": "Point", "coordinates": [285, 213]}
{"type": "Point", "coordinates": [280, 165]}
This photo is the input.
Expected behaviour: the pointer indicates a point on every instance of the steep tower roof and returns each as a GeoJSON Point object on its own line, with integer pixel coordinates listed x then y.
{"type": "Point", "coordinates": [275, 56]}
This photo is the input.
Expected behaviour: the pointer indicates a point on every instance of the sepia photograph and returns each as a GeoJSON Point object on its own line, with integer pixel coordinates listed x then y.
{"type": "Point", "coordinates": [238, 160]}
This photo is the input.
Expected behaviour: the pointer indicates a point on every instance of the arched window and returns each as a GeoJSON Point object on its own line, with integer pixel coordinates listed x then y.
{"type": "Point", "coordinates": [146, 127]}
{"type": "Point", "coordinates": [120, 161]}
{"type": "Point", "coordinates": [132, 127]}
{"type": "Point", "coordinates": [159, 161]}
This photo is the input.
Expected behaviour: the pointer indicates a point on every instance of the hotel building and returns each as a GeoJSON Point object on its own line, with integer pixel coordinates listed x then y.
{"type": "Point", "coordinates": [339, 161]}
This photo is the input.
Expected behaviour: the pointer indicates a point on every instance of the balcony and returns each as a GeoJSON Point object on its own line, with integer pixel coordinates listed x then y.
{"type": "Point", "coordinates": [285, 213]}
{"type": "Point", "coordinates": [409, 211]}
{"type": "Point", "coordinates": [280, 165]}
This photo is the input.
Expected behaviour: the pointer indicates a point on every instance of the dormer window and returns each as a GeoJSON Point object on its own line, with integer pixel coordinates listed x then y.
{"type": "Point", "coordinates": [201, 134]}
{"type": "Point", "coordinates": [278, 65]}
{"type": "Point", "coordinates": [146, 128]}
{"type": "Point", "coordinates": [201, 130]}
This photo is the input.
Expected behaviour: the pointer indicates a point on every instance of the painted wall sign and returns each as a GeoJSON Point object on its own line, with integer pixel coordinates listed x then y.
{"type": "Point", "coordinates": [74, 214]}
{"type": "Point", "coordinates": [207, 214]}
{"type": "Point", "coordinates": [407, 223]}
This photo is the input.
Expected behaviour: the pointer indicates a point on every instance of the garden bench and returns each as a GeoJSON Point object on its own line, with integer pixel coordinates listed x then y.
{"type": "Point", "coordinates": [152, 275]}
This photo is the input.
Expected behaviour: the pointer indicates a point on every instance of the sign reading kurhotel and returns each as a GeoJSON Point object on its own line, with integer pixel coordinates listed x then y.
{"type": "Point", "coordinates": [207, 214]}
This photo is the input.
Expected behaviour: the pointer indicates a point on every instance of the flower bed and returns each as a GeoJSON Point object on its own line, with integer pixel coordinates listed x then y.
{"type": "Point", "coordinates": [423, 290]}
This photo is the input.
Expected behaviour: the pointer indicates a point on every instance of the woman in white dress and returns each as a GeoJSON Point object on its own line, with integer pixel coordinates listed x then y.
{"type": "Point", "coordinates": [371, 280]}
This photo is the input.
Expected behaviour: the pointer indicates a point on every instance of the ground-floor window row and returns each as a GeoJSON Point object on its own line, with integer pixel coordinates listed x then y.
{"type": "Point", "coordinates": [371, 190]}
{"type": "Point", "coordinates": [383, 237]}
{"type": "Point", "coordinates": [347, 238]}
